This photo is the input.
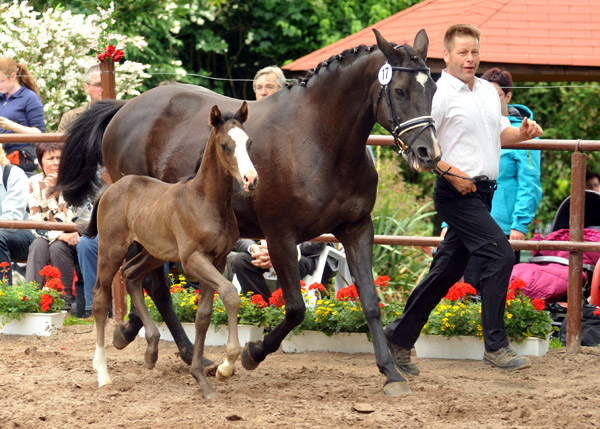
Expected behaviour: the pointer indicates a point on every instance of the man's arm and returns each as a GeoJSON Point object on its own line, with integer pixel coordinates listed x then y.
{"type": "Point", "coordinates": [450, 173]}
{"type": "Point", "coordinates": [528, 130]}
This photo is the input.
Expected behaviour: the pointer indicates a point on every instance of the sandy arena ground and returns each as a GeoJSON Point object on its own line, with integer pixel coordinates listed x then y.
{"type": "Point", "coordinates": [48, 382]}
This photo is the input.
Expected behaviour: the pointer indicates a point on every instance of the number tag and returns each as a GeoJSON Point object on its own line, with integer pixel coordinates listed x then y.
{"type": "Point", "coordinates": [385, 74]}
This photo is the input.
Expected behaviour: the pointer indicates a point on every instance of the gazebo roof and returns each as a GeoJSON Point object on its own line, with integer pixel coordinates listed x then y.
{"type": "Point", "coordinates": [536, 40]}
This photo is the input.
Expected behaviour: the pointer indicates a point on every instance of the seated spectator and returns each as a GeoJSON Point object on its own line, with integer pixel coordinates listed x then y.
{"type": "Point", "coordinates": [592, 181]}
{"type": "Point", "coordinates": [253, 261]}
{"type": "Point", "coordinates": [93, 89]}
{"type": "Point", "coordinates": [21, 112]}
{"type": "Point", "coordinates": [52, 247]}
{"type": "Point", "coordinates": [14, 243]}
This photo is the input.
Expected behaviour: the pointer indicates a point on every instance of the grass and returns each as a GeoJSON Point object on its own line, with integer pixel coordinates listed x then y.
{"type": "Point", "coordinates": [72, 320]}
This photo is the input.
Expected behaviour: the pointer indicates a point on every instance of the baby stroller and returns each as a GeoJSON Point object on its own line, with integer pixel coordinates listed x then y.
{"type": "Point", "coordinates": [546, 273]}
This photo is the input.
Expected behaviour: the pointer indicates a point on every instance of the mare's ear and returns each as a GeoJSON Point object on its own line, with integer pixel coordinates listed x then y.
{"type": "Point", "coordinates": [242, 114]}
{"type": "Point", "coordinates": [215, 116]}
{"type": "Point", "coordinates": [421, 44]}
{"type": "Point", "coordinates": [386, 48]}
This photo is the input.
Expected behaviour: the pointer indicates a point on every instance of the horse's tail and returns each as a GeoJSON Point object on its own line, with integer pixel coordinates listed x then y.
{"type": "Point", "coordinates": [78, 177]}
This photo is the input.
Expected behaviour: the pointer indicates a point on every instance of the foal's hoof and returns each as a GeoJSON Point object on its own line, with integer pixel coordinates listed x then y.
{"type": "Point", "coordinates": [248, 361]}
{"type": "Point", "coordinates": [397, 388]}
{"type": "Point", "coordinates": [119, 340]}
{"type": "Point", "coordinates": [222, 377]}
{"type": "Point", "coordinates": [150, 359]}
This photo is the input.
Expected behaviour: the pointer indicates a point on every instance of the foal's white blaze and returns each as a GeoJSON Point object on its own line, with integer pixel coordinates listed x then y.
{"type": "Point", "coordinates": [245, 166]}
{"type": "Point", "coordinates": [422, 78]}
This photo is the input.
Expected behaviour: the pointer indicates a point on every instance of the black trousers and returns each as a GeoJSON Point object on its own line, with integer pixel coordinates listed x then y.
{"type": "Point", "coordinates": [251, 277]}
{"type": "Point", "coordinates": [471, 231]}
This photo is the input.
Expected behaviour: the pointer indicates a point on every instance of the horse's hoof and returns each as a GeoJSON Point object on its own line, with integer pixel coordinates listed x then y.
{"type": "Point", "coordinates": [248, 361]}
{"type": "Point", "coordinates": [397, 388]}
{"type": "Point", "coordinates": [220, 377]}
{"type": "Point", "coordinates": [119, 340]}
{"type": "Point", "coordinates": [150, 360]}
{"type": "Point", "coordinates": [209, 394]}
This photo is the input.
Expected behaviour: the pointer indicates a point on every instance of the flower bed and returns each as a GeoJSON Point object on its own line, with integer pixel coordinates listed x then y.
{"type": "Point", "coordinates": [42, 324]}
{"type": "Point", "coordinates": [20, 301]}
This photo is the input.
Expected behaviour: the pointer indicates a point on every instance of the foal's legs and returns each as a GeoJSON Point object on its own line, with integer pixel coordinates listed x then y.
{"type": "Point", "coordinates": [107, 268]}
{"type": "Point", "coordinates": [210, 277]}
{"type": "Point", "coordinates": [358, 243]}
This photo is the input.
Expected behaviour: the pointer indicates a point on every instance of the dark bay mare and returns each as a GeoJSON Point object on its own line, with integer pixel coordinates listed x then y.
{"type": "Point", "coordinates": [309, 150]}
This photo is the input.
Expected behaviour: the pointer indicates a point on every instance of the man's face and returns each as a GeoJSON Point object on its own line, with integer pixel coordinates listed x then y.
{"type": "Point", "coordinates": [504, 98]}
{"type": "Point", "coordinates": [94, 88]}
{"type": "Point", "coordinates": [463, 60]}
{"type": "Point", "coordinates": [593, 183]}
{"type": "Point", "coordinates": [266, 85]}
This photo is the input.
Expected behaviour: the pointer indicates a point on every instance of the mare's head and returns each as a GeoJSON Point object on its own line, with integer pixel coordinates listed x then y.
{"type": "Point", "coordinates": [232, 144]}
{"type": "Point", "coordinates": [403, 105]}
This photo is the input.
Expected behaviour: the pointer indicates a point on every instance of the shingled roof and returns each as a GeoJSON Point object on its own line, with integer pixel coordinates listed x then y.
{"type": "Point", "coordinates": [537, 40]}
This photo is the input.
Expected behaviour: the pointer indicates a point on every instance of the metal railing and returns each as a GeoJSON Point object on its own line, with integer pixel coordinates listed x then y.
{"type": "Point", "coordinates": [576, 246]}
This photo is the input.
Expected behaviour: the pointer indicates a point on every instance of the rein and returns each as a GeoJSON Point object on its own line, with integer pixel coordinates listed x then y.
{"type": "Point", "coordinates": [398, 129]}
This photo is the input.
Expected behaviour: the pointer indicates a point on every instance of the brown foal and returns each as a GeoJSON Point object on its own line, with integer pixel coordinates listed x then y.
{"type": "Point", "coordinates": [191, 222]}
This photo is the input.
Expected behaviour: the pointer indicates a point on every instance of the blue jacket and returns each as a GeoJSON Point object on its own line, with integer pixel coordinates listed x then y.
{"type": "Point", "coordinates": [25, 108]}
{"type": "Point", "coordinates": [519, 189]}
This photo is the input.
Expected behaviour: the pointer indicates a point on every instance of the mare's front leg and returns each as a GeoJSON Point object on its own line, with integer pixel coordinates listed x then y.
{"type": "Point", "coordinates": [133, 273]}
{"type": "Point", "coordinates": [358, 243]}
{"type": "Point", "coordinates": [284, 256]}
{"type": "Point", "coordinates": [210, 279]}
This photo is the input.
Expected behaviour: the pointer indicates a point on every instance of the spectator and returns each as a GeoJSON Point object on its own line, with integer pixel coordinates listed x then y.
{"type": "Point", "coordinates": [471, 129]}
{"type": "Point", "coordinates": [14, 243]}
{"type": "Point", "coordinates": [52, 247]}
{"type": "Point", "coordinates": [21, 112]}
{"type": "Point", "coordinates": [592, 181]}
{"type": "Point", "coordinates": [93, 89]}
{"type": "Point", "coordinates": [519, 189]}
{"type": "Point", "coordinates": [268, 81]}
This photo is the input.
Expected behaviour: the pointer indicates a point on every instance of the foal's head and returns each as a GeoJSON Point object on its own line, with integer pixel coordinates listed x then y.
{"type": "Point", "coordinates": [232, 143]}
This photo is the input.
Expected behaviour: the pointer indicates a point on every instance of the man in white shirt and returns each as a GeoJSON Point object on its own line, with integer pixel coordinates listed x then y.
{"type": "Point", "coordinates": [470, 129]}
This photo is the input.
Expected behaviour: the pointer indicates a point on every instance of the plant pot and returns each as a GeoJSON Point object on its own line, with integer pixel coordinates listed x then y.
{"type": "Point", "coordinates": [463, 347]}
{"type": "Point", "coordinates": [215, 335]}
{"type": "Point", "coordinates": [42, 324]}
{"type": "Point", "coordinates": [313, 341]}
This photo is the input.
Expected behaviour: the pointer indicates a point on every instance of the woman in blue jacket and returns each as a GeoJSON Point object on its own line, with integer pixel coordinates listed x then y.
{"type": "Point", "coordinates": [21, 111]}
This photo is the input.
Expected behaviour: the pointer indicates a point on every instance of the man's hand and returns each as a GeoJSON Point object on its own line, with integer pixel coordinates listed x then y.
{"type": "Point", "coordinates": [260, 253]}
{"type": "Point", "coordinates": [516, 235]}
{"type": "Point", "coordinates": [71, 238]}
{"type": "Point", "coordinates": [530, 129]}
{"type": "Point", "coordinates": [450, 174]}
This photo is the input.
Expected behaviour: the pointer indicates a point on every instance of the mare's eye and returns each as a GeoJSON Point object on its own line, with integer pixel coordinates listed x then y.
{"type": "Point", "coordinates": [224, 147]}
{"type": "Point", "coordinates": [400, 93]}
{"type": "Point", "coordinates": [249, 144]}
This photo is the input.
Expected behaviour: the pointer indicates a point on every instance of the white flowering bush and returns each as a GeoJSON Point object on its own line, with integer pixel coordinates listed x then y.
{"type": "Point", "coordinates": [58, 47]}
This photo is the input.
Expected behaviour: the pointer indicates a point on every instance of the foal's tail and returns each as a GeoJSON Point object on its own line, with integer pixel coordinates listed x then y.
{"type": "Point", "coordinates": [91, 230]}
{"type": "Point", "coordinates": [78, 177]}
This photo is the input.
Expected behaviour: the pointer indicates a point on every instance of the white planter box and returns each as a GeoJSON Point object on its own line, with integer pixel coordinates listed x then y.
{"type": "Point", "coordinates": [313, 341]}
{"type": "Point", "coordinates": [215, 336]}
{"type": "Point", "coordinates": [42, 324]}
{"type": "Point", "coordinates": [462, 347]}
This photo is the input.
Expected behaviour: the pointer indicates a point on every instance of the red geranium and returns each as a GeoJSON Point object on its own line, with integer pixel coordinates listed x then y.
{"type": "Point", "coordinates": [54, 283]}
{"type": "Point", "coordinates": [382, 282]}
{"type": "Point", "coordinates": [348, 293]}
{"type": "Point", "coordinates": [539, 303]}
{"type": "Point", "coordinates": [317, 286]}
{"type": "Point", "coordinates": [460, 290]}
{"type": "Point", "coordinates": [276, 298]}
{"type": "Point", "coordinates": [510, 295]}
{"type": "Point", "coordinates": [50, 271]}
{"type": "Point", "coordinates": [45, 301]}
{"type": "Point", "coordinates": [111, 54]}
{"type": "Point", "coordinates": [517, 284]}
{"type": "Point", "coordinates": [259, 301]}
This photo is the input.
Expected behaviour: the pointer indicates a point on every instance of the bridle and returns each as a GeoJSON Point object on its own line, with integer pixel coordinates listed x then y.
{"type": "Point", "coordinates": [398, 129]}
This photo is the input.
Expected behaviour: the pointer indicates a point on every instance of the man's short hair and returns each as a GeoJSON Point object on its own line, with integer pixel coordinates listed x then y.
{"type": "Point", "coordinates": [501, 77]}
{"type": "Point", "coordinates": [460, 30]}
{"type": "Point", "coordinates": [268, 70]}
{"type": "Point", "coordinates": [91, 72]}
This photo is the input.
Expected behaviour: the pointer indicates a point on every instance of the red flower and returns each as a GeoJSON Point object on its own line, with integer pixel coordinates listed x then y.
{"type": "Point", "coordinates": [54, 283]}
{"type": "Point", "coordinates": [276, 298]}
{"type": "Point", "coordinates": [50, 271]}
{"type": "Point", "coordinates": [176, 288]}
{"type": "Point", "coordinates": [510, 295]}
{"type": "Point", "coordinates": [111, 53]}
{"type": "Point", "coordinates": [45, 301]}
{"type": "Point", "coordinates": [118, 55]}
{"type": "Point", "coordinates": [101, 56]}
{"type": "Point", "coordinates": [317, 286]}
{"type": "Point", "coordinates": [258, 301]}
{"type": "Point", "coordinates": [460, 290]}
{"type": "Point", "coordinates": [382, 282]}
{"type": "Point", "coordinates": [348, 293]}
{"type": "Point", "coordinates": [539, 304]}
{"type": "Point", "coordinates": [517, 284]}
{"type": "Point", "coordinates": [110, 50]}
{"type": "Point", "coordinates": [381, 304]}
{"type": "Point", "coordinates": [4, 264]}
{"type": "Point", "coordinates": [25, 298]}
{"type": "Point", "coordinates": [597, 312]}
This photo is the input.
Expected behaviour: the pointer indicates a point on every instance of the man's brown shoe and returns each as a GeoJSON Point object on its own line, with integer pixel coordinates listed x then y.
{"type": "Point", "coordinates": [507, 359]}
